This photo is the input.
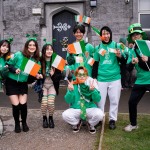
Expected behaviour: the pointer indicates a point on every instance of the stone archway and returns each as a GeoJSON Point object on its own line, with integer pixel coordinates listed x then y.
{"type": "Point", "coordinates": [53, 9]}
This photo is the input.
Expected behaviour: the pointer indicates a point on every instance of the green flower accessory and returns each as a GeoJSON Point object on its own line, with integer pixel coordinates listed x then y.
{"type": "Point", "coordinates": [49, 43]}
{"type": "Point", "coordinates": [33, 37]}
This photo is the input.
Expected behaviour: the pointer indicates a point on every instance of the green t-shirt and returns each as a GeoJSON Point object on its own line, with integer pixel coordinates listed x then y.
{"type": "Point", "coordinates": [108, 69]}
{"type": "Point", "coordinates": [90, 49]}
{"type": "Point", "coordinates": [143, 77]}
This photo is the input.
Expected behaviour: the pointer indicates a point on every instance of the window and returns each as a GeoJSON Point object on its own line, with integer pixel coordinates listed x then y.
{"type": "Point", "coordinates": [144, 16]}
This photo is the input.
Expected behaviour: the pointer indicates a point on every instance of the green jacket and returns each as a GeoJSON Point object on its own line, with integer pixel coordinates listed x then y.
{"type": "Point", "coordinates": [16, 62]}
{"type": "Point", "coordinates": [143, 77]}
{"type": "Point", "coordinates": [91, 96]}
{"type": "Point", "coordinates": [2, 64]}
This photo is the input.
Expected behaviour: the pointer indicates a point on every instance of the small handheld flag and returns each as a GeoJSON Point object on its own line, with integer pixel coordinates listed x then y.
{"type": "Point", "coordinates": [78, 18]}
{"type": "Point", "coordinates": [111, 50]}
{"type": "Point", "coordinates": [144, 46]}
{"type": "Point", "coordinates": [102, 52]}
{"type": "Point", "coordinates": [91, 61]}
{"type": "Point", "coordinates": [58, 62]}
{"type": "Point", "coordinates": [77, 47]}
{"type": "Point", "coordinates": [30, 67]}
{"type": "Point", "coordinates": [86, 20]}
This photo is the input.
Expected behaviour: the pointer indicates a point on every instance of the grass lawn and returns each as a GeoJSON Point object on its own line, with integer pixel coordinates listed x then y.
{"type": "Point", "coordinates": [120, 140]}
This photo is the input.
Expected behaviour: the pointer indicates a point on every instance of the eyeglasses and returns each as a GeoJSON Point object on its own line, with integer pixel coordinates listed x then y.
{"type": "Point", "coordinates": [81, 75]}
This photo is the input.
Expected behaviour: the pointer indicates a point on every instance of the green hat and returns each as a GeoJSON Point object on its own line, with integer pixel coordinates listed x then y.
{"type": "Point", "coordinates": [122, 40]}
{"type": "Point", "coordinates": [135, 28]}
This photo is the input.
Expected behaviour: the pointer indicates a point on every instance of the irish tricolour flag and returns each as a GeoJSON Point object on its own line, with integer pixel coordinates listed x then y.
{"type": "Point", "coordinates": [102, 52]}
{"type": "Point", "coordinates": [58, 62]}
{"type": "Point", "coordinates": [86, 20]}
{"type": "Point", "coordinates": [78, 18]}
{"type": "Point", "coordinates": [77, 47]}
{"type": "Point", "coordinates": [144, 46]}
{"type": "Point", "coordinates": [29, 67]}
{"type": "Point", "coordinates": [91, 61]}
{"type": "Point", "coordinates": [112, 50]}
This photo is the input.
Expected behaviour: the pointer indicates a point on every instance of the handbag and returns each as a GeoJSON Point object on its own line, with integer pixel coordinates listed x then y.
{"type": "Point", "coordinates": [38, 85]}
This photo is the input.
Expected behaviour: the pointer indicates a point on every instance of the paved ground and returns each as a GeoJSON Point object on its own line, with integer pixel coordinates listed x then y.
{"type": "Point", "coordinates": [59, 138]}
{"type": "Point", "coordinates": [33, 103]}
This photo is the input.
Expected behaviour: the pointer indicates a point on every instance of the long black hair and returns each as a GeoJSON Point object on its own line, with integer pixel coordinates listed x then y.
{"type": "Point", "coordinates": [108, 30]}
{"type": "Point", "coordinates": [43, 58]}
{"type": "Point", "coordinates": [9, 48]}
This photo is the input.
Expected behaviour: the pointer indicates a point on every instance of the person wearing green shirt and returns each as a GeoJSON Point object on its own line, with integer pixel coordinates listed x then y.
{"type": "Point", "coordinates": [82, 95]}
{"type": "Point", "coordinates": [50, 88]}
{"type": "Point", "coordinates": [5, 50]}
{"type": "Point", "coordinates": [142, 83]}
{"type": "Point", "coordinates": [72, 59]}
{"type": "Point", "coordinates": [17, 85]}
{"type": "Point", "coordinates": [106, 70]}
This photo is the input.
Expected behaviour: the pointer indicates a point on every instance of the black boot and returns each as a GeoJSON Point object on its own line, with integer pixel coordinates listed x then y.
{"type": "Point", "coordinates": [23, 108]}
{"type": "Point", "coordinates": [45, 123]}
{"type": "Point", "coordinates": [51, 122]}
{"type": "Point", "coordinates": [16, 112]}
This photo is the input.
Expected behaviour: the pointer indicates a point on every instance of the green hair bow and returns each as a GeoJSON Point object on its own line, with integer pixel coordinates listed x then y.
{"type": "Point", "coordinates": [49, 43]}
{"type": "Point", "coordinates": [33, 37]}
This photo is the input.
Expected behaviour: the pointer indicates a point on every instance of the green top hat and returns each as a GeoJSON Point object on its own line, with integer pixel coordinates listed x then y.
{"type": "Point", "coordinates": [135, 28]}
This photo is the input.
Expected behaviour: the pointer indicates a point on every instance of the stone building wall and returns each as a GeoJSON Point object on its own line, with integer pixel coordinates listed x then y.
{"type": "Point", "coordinates": [18, 20]}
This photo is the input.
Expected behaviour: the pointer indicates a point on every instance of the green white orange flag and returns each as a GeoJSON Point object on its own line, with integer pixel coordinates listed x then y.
{"type": "Point", "coordinates": [77, 47]}
{"type": "Point", "coordinates": [78, 18]}
{"type": "Point", "coordinates": [144, 46]}
{"type": "Point", "coordinates": [102, 52]}
{"type": "Point", "coordinates": [30, 67]}
{"type": "Point", "coordinates": [111, 50]}
{"type": "Point", "coordinates": [91, 61]}
{"type": "Point", "coordinates": [86, 20]}
{"type": "Point", "coordinates": [58, 62]}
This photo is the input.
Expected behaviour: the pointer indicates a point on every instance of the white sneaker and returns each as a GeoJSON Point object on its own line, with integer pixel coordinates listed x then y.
{"type": "Point", "coordinates": [129, 128]}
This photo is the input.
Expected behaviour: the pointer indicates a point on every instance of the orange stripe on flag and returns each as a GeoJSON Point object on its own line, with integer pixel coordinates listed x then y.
{"type": "Point", "coordinates": [71, 49]}
{"type": "Point", "coordinates": [80, 18]}
{"type": "Point", "coordinates": [61, 65]}
{"type": "Point", "coordinates": [35, 70]}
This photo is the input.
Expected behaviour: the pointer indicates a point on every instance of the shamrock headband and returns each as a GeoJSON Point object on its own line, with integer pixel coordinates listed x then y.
{"type": "Point", "coordinates": [9, 40]}
{"type": "Point", "coordinates": [33, 37]}
{"type": "Point", "coordinates": [49, 43]}
{"type": "Point", "coordinates": [82, 19]}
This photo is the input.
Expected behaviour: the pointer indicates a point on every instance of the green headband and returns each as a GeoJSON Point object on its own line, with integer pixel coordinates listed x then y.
{"type": "Point", "coordinates": [9, 40]}
{"type": "Point", "coordinates": [33, 37]}
{"type": "Point", "coordinates": [49, 43]}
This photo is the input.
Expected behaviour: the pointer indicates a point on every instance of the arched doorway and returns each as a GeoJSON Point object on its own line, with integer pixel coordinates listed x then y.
{"type": "Point", "coordinates": [63, 23]}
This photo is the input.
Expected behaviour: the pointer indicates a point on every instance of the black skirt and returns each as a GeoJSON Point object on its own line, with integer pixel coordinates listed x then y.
{"type": "Point", "coordinates": [15, 88]}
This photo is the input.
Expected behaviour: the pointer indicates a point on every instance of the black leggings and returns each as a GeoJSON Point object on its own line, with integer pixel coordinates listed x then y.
{"type": "Point", "coordinates": [137, 93]}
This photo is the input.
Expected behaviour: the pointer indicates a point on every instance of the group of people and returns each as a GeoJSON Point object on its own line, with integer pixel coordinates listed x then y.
{"type": "Point", "coordinates": [88, 85]}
